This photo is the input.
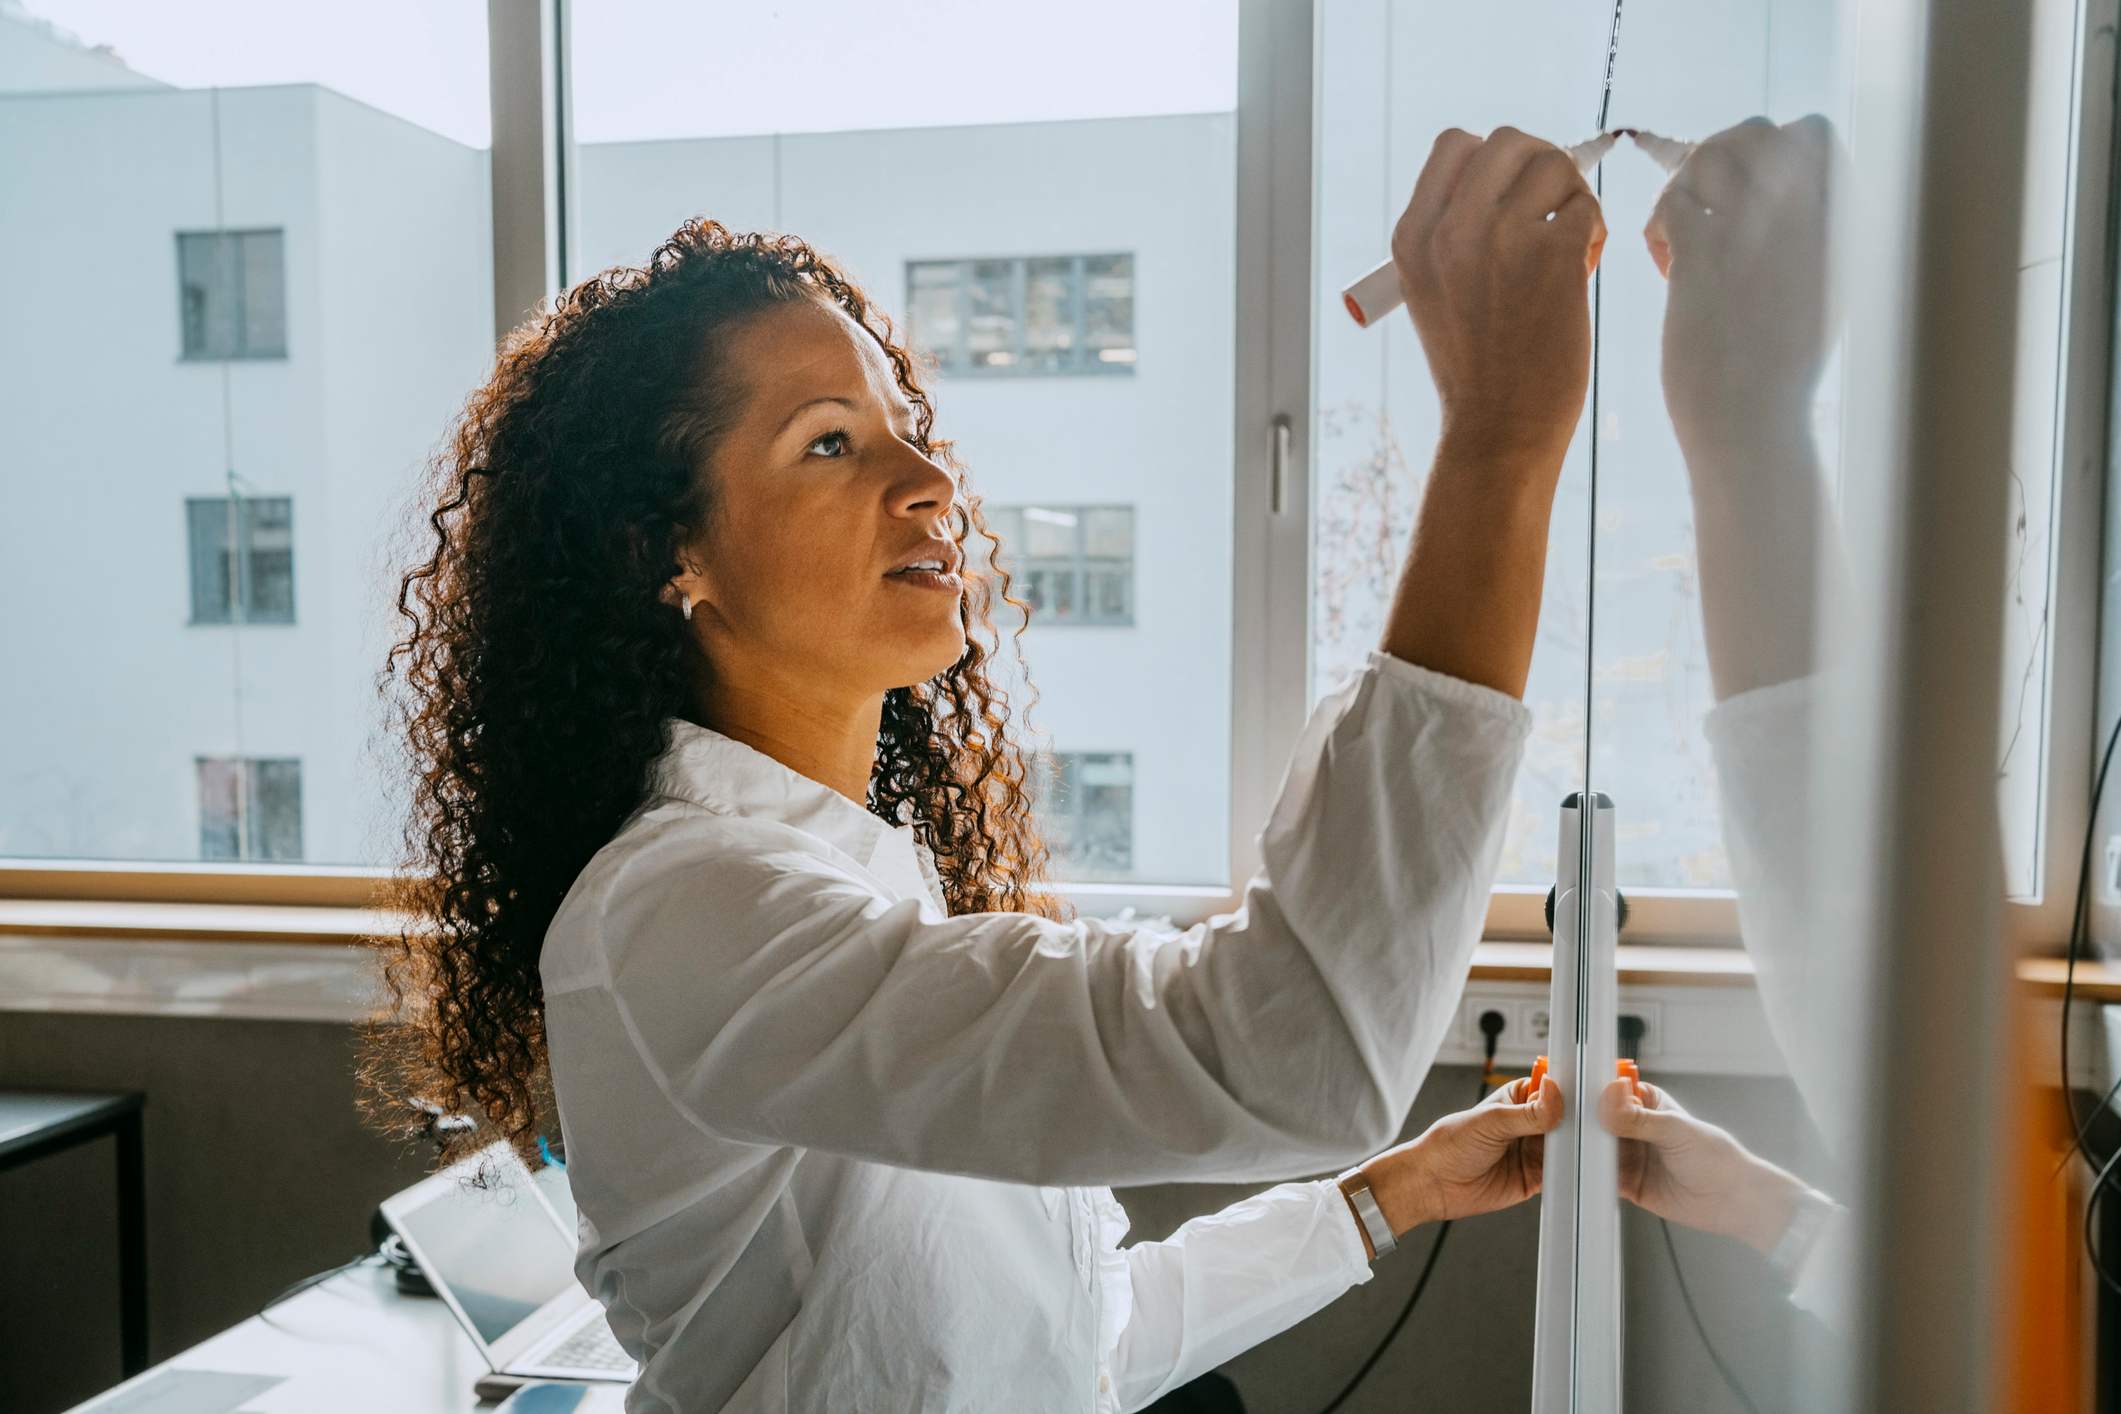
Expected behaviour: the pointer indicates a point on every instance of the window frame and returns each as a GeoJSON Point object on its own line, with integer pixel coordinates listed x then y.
{"type": "Point", "coordinates": [1270, 554]}
{"type": "Point", "coordinates": [240, 236]}
{"type": "Point", "coordinates": [1081, 563]}
{"type": "Point", "coordinates": [1019, 285]}
{"type": "Point", "coordinates": [1057, 797]}
{"type": "Point", "coordinates": [250, 776]}
{"type": "Point", "coordinates": [242, 610]}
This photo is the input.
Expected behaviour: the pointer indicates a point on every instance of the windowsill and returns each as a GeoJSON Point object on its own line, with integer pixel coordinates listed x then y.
{"type": "Point", "coordinates": [292, 962]}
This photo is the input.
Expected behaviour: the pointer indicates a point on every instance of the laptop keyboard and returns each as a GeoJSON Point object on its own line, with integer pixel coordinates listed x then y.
{"type": "Point", "coordinates": [590, 1347]}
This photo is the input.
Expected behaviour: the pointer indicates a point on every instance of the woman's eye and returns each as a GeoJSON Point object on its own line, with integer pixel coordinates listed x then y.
{"type": "Point", "coordinates": [838, 439]}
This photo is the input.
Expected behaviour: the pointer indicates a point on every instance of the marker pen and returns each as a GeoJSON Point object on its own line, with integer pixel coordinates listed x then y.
{"type": "Point", "coordinates": [1377, 294]}
{"type": "Point", "coordinates": [1666, 152]}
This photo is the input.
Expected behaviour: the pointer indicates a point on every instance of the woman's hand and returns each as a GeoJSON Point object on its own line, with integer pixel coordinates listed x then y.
{"type": "Point", "coordinates": [1475, 1161]}
{"type": "Point", "coordinates": [1493, 253]}
{"type": "Point", "coordinates": [1694, 1173]}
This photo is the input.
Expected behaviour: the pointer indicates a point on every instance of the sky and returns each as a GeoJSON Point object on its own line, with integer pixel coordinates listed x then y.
{"type": "Point", "coordinates": [664, 68]}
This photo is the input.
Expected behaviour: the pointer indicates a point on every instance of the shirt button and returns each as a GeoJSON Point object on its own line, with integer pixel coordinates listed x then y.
{"type": "Point", "coordinates": [1104, 1384]}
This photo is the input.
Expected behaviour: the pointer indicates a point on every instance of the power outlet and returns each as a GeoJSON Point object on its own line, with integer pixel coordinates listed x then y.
{"type": "Point", "coordinates": [1651, 1015]}
{"type": "Point", "coordinates": [1536, 1024]}
{"type": "Point", "coordinates": [1515, 1047]}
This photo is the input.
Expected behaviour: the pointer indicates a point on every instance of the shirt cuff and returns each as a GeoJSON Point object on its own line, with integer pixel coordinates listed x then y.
{"type": "Point", "coordinates": [1351, 1257]}
{"type": "Point", "coordinates": [1759, 711]}
{"type": "Point", "coordinates": [1506, 711]}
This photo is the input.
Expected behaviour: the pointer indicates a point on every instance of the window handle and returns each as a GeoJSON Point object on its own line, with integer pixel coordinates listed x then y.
{"type": "Point", "coordinates": [1283, 430]}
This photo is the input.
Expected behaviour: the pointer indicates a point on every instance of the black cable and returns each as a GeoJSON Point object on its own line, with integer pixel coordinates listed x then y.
{"type": "Point", "coordinates": [1730, 1378]}
{"type": "Point", "coordinates": [2080, 1120]}
{"type": "Point", "coordinates": [1421, 1284]}
{"type": "Point", "coordinates": [2079, 920]}
{"type": "Point", "coordinates": [289, 1293]}
{"type": "Point", "coordinates": [2091, 1217]}
{"type": "Point", "coordinates": [1491, 1025]}
{"type": "Point", "coordinates": [1632, 1030]}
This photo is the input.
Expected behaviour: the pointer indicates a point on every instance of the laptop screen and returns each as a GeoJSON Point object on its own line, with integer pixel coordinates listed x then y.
{"type": "Point", "coordinates": [497, 1249]}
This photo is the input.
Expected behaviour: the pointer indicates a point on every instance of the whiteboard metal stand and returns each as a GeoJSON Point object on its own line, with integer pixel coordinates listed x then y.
{"type": "Point", "coordinates": [1576, 1350]}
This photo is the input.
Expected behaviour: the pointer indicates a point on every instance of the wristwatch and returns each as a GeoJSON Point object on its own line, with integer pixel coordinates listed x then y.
{"type": "Point", "coordinates": [1356, 1189]}
{"type": "Point", "coordinates": [1810, 1217]}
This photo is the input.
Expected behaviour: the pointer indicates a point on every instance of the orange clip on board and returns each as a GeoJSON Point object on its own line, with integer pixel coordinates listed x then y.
{"type": "Point", "coordinates": [1539, 1077]}
{"type": "Point", "coordinates": [1633, 1073]}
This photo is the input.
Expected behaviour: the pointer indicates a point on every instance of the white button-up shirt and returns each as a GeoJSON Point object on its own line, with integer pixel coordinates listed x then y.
{"type": "Point", "coordinates": [835, 1149]}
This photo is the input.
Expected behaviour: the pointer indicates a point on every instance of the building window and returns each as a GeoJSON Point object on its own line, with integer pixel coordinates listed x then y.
{"type": "Point", "coordinates": [232, 290]}
{"type": "Point", "coordinates": [250, 809]}
{"type": "Point", "coordinates": [1071, 564]}
{"type": "Point", "coordinates": [1024, 314]}
{"type": "Point", "coordinates": [1086, 811]}
{"type": "Point", "coordinates": [242, 559]}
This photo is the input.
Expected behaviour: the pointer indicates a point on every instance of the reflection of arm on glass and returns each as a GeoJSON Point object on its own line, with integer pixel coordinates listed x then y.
{"type": "Point", "coordinates": [1742, 234]}
{"type": "Point", "coordinates": [1694, 1173]}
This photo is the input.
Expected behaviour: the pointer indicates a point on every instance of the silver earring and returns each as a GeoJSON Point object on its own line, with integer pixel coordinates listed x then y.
{"type": "Point", "coordinates": [686, 608]}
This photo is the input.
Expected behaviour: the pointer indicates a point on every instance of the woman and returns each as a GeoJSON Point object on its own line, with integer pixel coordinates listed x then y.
{"type": "Point", "coordinates": [719, 817]}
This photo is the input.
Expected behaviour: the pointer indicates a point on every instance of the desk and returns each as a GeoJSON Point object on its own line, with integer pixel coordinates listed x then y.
{"type": "Point", "coordinates": [349, 1344]}
{"type": "Point", "coordinates": [34, 1123]}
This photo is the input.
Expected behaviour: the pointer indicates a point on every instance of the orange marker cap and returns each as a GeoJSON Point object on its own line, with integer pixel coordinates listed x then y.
{"type": "Point", "coordinates": [1633, 1073]}
{"type": "Point", "coordinates": [1539, 1076]}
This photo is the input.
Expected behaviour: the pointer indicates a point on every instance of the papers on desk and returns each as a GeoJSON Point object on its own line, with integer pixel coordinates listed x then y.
{"type": "Point", "coordinates": [186, 1392]}
{"type": "Point", "coordinates": [553, 1397]}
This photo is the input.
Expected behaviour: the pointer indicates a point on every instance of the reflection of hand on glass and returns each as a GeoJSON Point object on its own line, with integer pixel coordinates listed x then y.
{"type": "Point", "coordinates": [1693, 1173]}
{"type": "Point", "coordinates": [1475, 1161]}
{"type": "Point", "coordinates": [1741, 233]}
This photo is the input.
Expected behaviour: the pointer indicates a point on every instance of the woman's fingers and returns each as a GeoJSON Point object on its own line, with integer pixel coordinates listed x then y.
{"type": "Point", "coordinates": [1494, 170]}
{"type": "Point", "coordinates": [1627, 1116]}
{"type": "Point", "coordinates": [1453, 149]}
{"type": "Point", "coordinates": [1547, 179]}
{"type": "Point", "coordinates": [1520, 1114]}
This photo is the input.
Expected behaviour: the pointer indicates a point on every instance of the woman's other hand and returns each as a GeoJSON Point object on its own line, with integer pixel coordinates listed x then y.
{"type": "Point", "coordinates": [1742, 235]}
{"type": "Point", "coordinates": [1474, 1161]}
{"type": "Point", "coordinates": [1493, 253]}
{"type": "Point", "coordinates": [1692, 1172]}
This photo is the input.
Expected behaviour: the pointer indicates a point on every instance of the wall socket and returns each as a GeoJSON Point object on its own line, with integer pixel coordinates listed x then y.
{"type": "Point", "coordinates": [1528, 1025]}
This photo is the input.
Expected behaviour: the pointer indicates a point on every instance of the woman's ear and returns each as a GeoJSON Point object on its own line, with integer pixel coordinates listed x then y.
{"type": "Point", "coordinates": [686, 588]}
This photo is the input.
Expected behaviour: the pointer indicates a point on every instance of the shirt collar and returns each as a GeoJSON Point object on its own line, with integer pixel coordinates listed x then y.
{"type": "Point", "coordinates": [726, 776]}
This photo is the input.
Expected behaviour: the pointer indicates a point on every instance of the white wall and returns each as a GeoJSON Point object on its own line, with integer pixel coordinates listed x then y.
{"type": "Point", "coordinates": [114, 693]}
{"type": "Point", "coordinates": [388, 288]}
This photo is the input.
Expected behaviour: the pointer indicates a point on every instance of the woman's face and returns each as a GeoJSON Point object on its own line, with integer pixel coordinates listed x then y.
{"type": "Point", "coordinates": [820, 503]}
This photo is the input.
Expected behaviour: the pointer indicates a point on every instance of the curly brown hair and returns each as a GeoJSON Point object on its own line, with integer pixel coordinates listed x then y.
{"type": "Point", "coordinates": [538, 673]}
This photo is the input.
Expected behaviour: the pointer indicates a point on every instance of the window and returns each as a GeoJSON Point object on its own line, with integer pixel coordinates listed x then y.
{"type": "Point", "coordinates": [1086, 809]}
{"type": "Point", "coordinates": [1072, 564]}
{"type": "Point", "coordinates": [242, 559]}
{"type": "Point", "coordinates": [250, 809]}
{"type": "Point", "coordinates": [1043, 314]}
{"type": "Point", "coordinates": [233, 289]}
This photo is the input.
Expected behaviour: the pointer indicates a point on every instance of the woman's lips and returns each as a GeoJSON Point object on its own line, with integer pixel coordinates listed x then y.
{"type": "Point", "coordinates": [929, 579]}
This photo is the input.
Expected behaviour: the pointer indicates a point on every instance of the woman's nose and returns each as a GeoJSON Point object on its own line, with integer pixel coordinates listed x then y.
{"type": "Point", "coordinates": [923, 488]}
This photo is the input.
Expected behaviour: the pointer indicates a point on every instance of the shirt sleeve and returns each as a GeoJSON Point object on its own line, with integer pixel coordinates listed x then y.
{"type": "Point", "coordinates": [777, 998]}
{"type": "Point", "coordinates": [1812, 989]}
{"type": "Point", "coordinates": [1223, 1283]}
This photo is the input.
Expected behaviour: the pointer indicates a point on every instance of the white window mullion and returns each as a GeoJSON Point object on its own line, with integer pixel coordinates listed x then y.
{"type": "Point", "coordinates": [1270, 560]}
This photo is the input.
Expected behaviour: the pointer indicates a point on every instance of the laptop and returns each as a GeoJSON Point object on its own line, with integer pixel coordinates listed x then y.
{"type": "Point", "coordinates": [502, 1258]}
